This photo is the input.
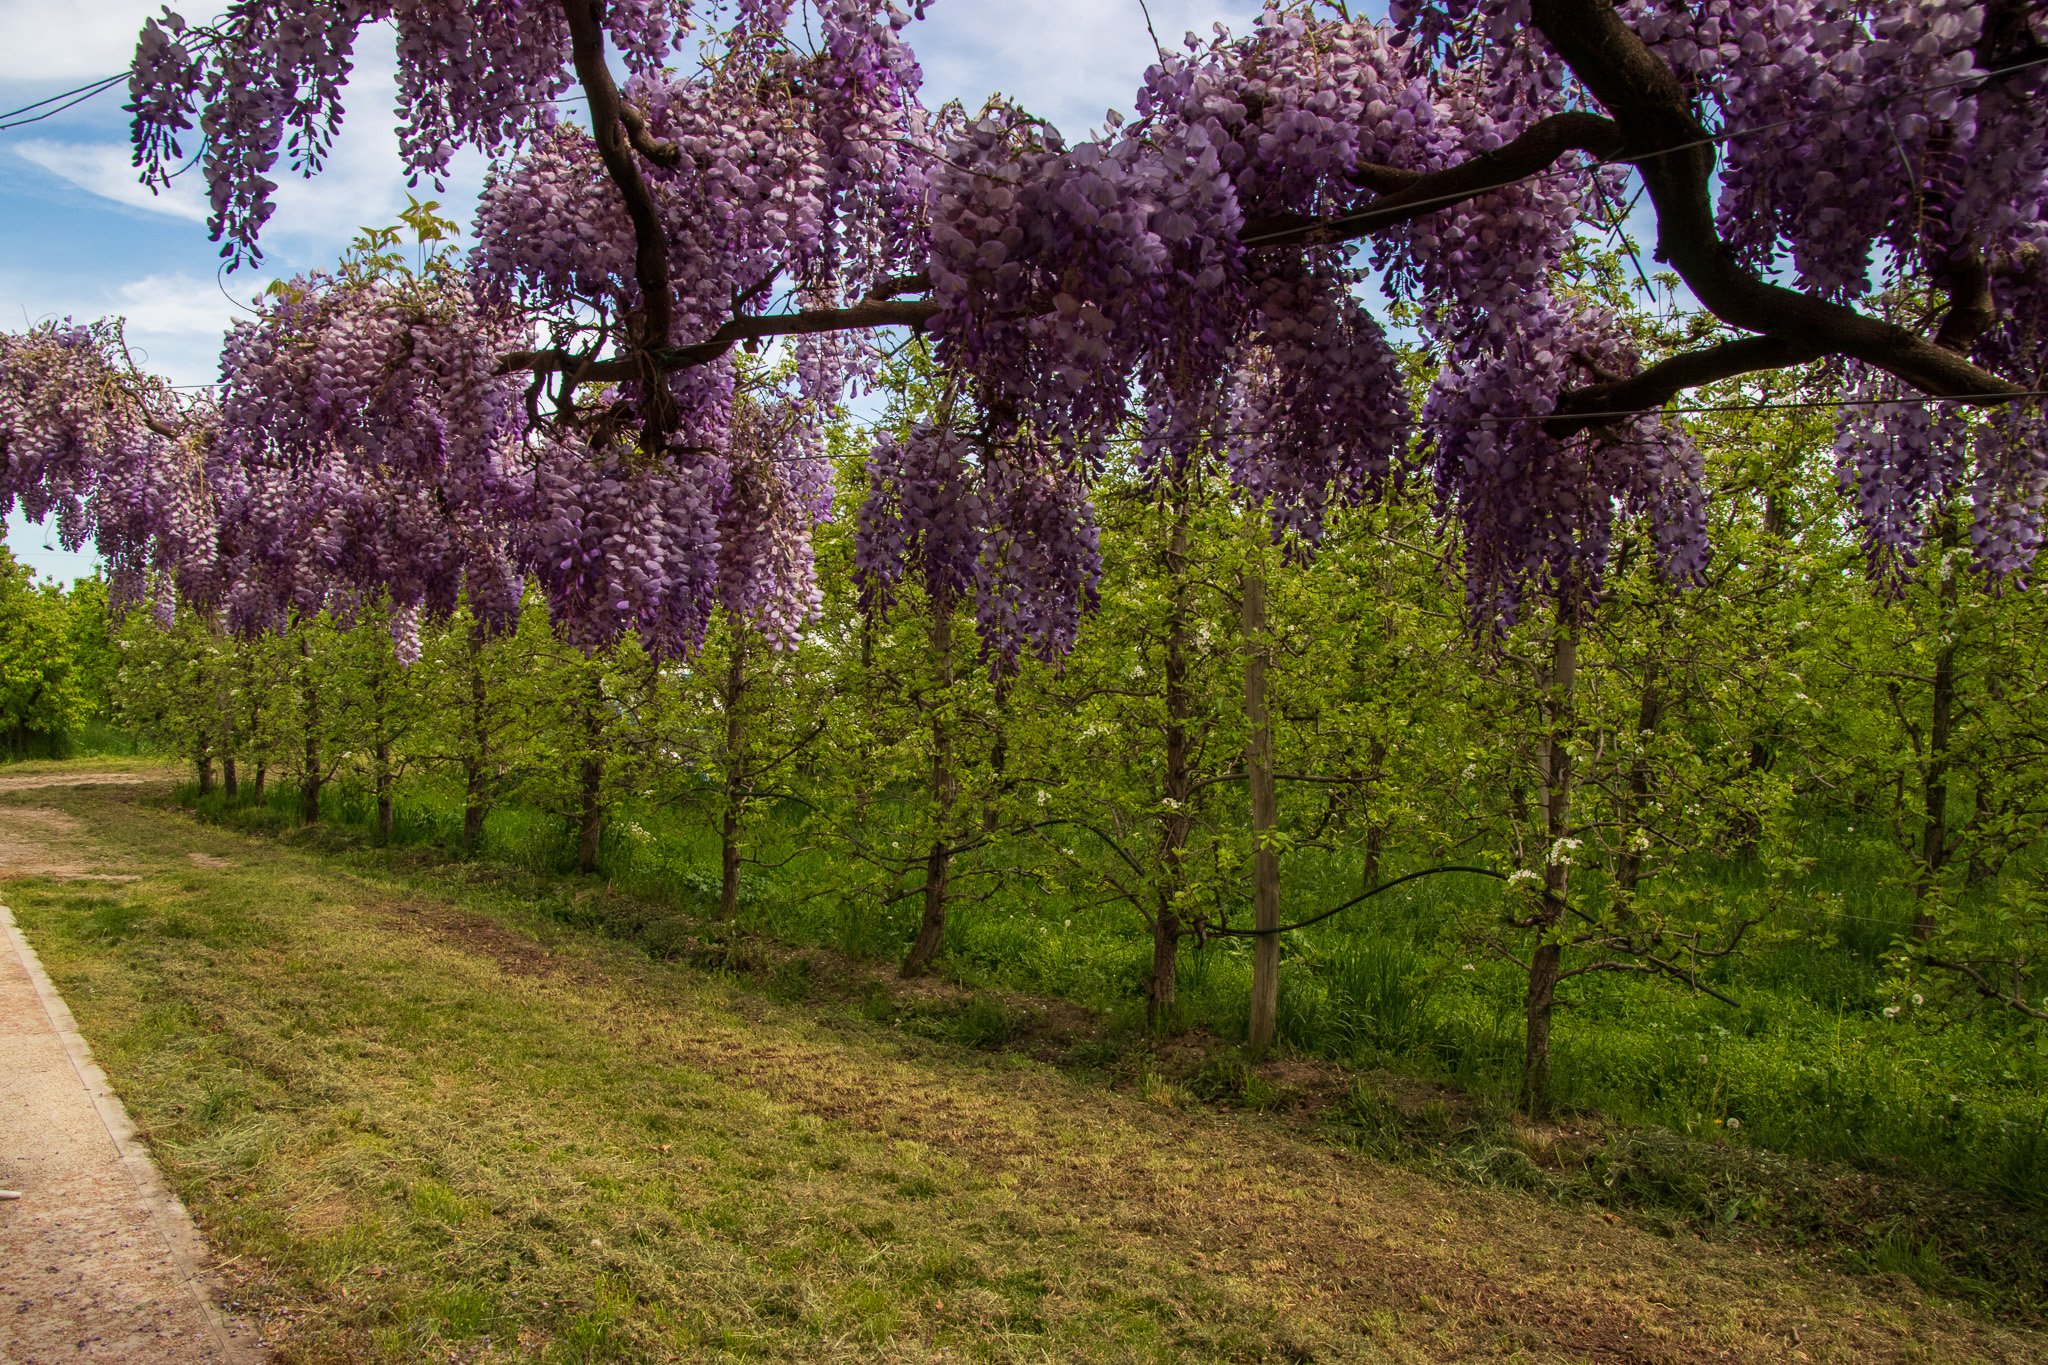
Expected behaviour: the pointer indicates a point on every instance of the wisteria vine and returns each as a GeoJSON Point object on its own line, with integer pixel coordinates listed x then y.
{"type": "Point", "coordinates": [571, 404]}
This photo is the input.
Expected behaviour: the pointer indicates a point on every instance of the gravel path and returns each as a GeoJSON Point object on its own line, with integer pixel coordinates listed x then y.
{"type": "Point", "coordinates": [98, 1262]}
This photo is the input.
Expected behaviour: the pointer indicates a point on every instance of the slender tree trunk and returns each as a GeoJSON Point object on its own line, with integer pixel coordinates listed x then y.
{"type": "Point", "coordinates": [224, 705]}
{"type": "Point", "coordinates": [252, 730]}
{"type": "Point", "coordinates": [945, 786]}
{"type": "Point", "coordinates": [380, 749]}
{"type": "Point", "coordinates": [380, 777]}
{"type": "Point", "coordinates": [1178, 783]}
{"type": "Point", "coordinates": [590, 824]}
{"type": "Point", "coordinates": [1547, 962]}
{"type": "Point", "coordinates": [1628, 867]}
{"type": "Point", "coordinates": [736, 776]}
{"type": "Point", "coordinates": [202, 763]}
{"type": "Point", "coordinates": [311, 773]}
{"type": "Point", "coordinates": [1762, 754]}
{"type": "Point", "coordinates": [998, 760]}
{"type": "Point", "coordinates": [1258, 763]}
{"type": "Point", "coordinates": [1375, 825]}
{"type": "Point", "coordinates": [1934, 827]}
{"type": "Point", "coordinates": [476, 758]}
{"type": "Point", "coordinates": [590, 821]}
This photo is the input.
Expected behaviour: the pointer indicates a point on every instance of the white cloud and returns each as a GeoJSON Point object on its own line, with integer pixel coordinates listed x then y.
{"type": "Point", "coordinates": [183, 309]}
{"type": "Point", "coordinates": [362, 182]}
{"type": "Point", "coordinates": [1065, 60]}
{"type": "Point", "coordinates": [175, 321]}
{"type": "Point", "coordinates": [75, 42]}
{"type": "Point", "coordinates": [104, 169]}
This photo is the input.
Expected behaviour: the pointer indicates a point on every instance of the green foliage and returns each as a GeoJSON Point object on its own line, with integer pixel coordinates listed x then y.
{"type": "Point", "coordinates": [57, 666]}
{"type": "Point", "coordinates": [1792, 906]}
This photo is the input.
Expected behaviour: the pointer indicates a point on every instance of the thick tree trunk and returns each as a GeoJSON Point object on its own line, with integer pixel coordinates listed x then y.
{"type": "Point", "coordinates": [202, 763]}
{"type": "Point", "coordinates": [230, 782]}
{"type": "Point", "coordinates": [737, 779]}
{"type": "Point", "coordinates": [945, 788]}
{"type": "Point", "coordinates": [1178, 783]}
{"type": "Point", "coordinates": [1258, 763]}
{"type": "Point", "coordinates": [1546, 964]}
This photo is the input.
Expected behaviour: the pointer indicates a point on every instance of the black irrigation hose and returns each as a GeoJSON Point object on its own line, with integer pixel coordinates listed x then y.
{"type": "Point", "coordinates": [1203, 929]}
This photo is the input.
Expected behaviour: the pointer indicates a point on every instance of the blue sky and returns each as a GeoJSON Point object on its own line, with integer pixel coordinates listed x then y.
{"type": "Point", "coordinates": [80, 237]}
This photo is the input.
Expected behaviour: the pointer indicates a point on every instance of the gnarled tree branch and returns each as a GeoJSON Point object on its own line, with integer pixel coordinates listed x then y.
{"type": "Point", "coordinates": [608, 128]}
{"type": "Point", "coordinates": [1984, 986]}
{"type": "Point", "coordinates": [866, 315]}
{"type": "Point", "coordinates": [1675, 157]}
{"type": "Point", "coordinates": [1652, 126]}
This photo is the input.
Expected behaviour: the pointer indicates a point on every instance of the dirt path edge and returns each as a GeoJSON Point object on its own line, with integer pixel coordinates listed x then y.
{"type": "Point", "coordinates": [187, 1249]}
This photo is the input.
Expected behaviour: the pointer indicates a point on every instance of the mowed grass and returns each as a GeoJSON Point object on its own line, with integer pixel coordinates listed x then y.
{"type": "Point", "coordinates": [425, 1125]}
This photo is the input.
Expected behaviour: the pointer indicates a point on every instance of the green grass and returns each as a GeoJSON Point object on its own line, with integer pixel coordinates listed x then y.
{"type": "Point", "coordinates": [92, 738]}
{"type": "Point", "coordinates": [425, 1114]}
{"type": "Point", "coordinates": [1809, 1065]}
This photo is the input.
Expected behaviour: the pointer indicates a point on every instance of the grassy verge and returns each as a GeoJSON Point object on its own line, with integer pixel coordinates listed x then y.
{"type": "Point", "coordinates": [426, 1117]}
{"type": "Point", "coordinates": [1825, 1059]}
{"type": "Point", "coordinates": [1870, 1214]}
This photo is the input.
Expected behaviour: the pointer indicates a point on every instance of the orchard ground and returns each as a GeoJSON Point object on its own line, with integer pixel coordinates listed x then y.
{"type": "Point", "coordinates": [423, 1115]}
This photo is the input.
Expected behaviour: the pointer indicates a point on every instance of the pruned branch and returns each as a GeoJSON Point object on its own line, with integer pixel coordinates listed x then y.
{"type": "Point", "coordinates": [1655, 966]}
{"type": "Point", "coordinates": [1984, 986]}
{"type": "Point", "coordinates": [864, 316]}
{"type": "Point", "coordinates": [1536, 150]}
{"type": "Point", "coordinates": [1203, 927]}
{"type": "Point", "coordinates": [1665, 380]}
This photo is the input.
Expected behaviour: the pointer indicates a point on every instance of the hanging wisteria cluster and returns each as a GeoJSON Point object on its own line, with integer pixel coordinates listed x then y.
{"type": "Point", "coordinates": [367, 444]}
{"type": "Point", "coordinates": [572, 404]}
{"type": "Point", "coordinates": [112, 455]}
{"type": "Point", "coordinates": [1005, 524]}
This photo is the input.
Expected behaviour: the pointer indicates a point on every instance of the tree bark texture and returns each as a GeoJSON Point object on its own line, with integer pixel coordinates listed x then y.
{"type": "Point", "coordinates": [734, 699]}
{"type": "Point", "coordinates": [1178, 781]}
{"type": "Point", "coordinates": [945, 791]}
{"type": "Point", "coordinates": [311, 775]}
{"type": "Point", "coordinates": [1258, 763]}
{"type": "Point", "coordinates": [1547, 962]}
